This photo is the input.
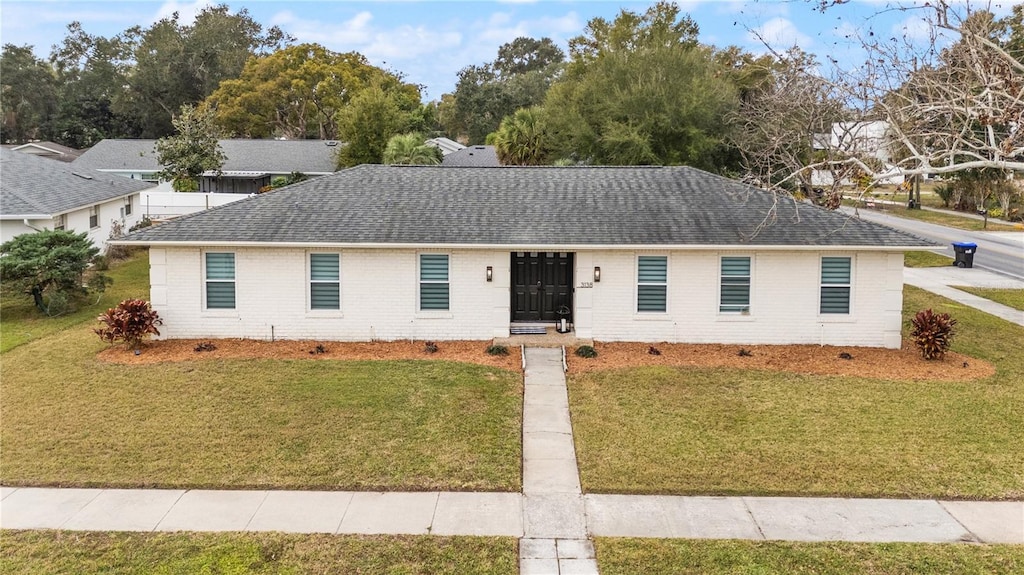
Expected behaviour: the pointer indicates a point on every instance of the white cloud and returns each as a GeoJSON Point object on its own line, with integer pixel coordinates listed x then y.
{"type": "Point", "coordinates": [780, 33]}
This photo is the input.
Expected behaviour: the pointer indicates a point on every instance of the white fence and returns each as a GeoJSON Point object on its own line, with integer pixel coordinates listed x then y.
{"type": "Point", "coordinates": [159, 205]}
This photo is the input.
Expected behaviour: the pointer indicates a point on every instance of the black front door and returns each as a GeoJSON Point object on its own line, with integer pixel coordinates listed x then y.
{"type": "Point", "coordinates": [541, 286]}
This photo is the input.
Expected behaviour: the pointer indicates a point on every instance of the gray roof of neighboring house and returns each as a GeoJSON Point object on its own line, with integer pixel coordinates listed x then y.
{"type": "Point", "coordinates": [274, 156]}
{"type": "Point", "coordinates": [34, 186]}
{"type": "Point", "coordinates": [446, 145]}
{"type": "Point", "coordinates": [473, 156]}
{"type": "Point", "coordinates": [520, 206]}
{"type": "Point", "coordinates": [51, 150]}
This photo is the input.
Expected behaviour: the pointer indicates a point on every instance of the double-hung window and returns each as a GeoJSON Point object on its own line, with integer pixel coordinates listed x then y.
{"type": "Point", "coordinates": [652, 283]}
{"type": "Point", "coordinates": [734, 290]}
{"type": "Point", "coordinates": [94, 217]}
{"type": "Point", "coordinates": [220, 280]}
{"type": "Point", "coordinates": [128, 206]}
{"type": "Point", "coordinates": [60, 222]}
{"type": "Point", "coordinates": [835, 285]}
{"type": "Point", "coordinates": [324, 281]}
{"type": "Point", "coordinates": [434, 287]}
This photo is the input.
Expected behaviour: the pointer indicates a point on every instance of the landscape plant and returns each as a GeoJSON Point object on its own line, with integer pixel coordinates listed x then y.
{"type": "Point", "coordinates": [51, 263]}
{"type": "Point", "coordinates": [932, 333]}
{"type": "Point", "coordinates": [129, 322]}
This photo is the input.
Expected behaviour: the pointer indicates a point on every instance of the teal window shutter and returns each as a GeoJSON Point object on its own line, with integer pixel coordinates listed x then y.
{"type": "Point", "coordinates": [220, 280]}
{"type": "Point", "coordinates": [652, 283]}
{"type": "Point", "coordinates": [734, 294]}
{"type": "Point", "coordinates": [434, 285]}
{"type": "Point", "coordinates": [835, 285]}
{"type": "Point", "coordinates": [324, 281]}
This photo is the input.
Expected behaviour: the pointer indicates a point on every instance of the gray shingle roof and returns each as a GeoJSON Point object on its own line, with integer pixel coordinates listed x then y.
{"type": "Point", "coordinates": [30, 185]}
{"type": "Point", "coordinates": [50, 150]}
{"type": "Point", "coordinates": [512, 206]}
{"type": "Point", "coordinates": [273, 156]}
{"type": "Point", "coordinates": [473, 156]}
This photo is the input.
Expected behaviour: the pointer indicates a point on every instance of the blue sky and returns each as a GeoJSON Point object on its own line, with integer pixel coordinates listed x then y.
{"type": "Point", "coordinates": [430, 41]}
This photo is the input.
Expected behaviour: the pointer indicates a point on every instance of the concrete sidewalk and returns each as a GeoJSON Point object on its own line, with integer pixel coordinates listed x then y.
{"type": "Point", "coordinates": [939, 281]}
{"type": "Point", "coordinates": [505, 514]}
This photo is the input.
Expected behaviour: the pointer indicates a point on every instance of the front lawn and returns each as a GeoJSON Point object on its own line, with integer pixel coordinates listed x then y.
{"type": "Point", "coordinates": [952, 220]}
{"type": "Point", "coordinates": [1010, 297]}
{"type": "Point", "coordinates": [22, 322]}
{"type": "Point", "coordinates": [923, 259]}
{"type": "Point", "coordinates": [67, 552]}
{"type": "Point", "coordinates": [70, 419]}
{"type": "Point", "coordinates": [703, 557]}
{"type": "Point", "coordinates": [678, 430]}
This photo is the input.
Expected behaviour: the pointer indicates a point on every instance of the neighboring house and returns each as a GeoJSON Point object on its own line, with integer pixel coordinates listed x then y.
{"type": "Point", "coordinates": [624, 253]}
{"type": "Point", "coordinates": [249, 166]}
{"type": "Point", "coordinates": [866, 140]}
{"type": "Point", "coordinates": [472, 157]}
{"type": "Point", "coordinates": [447, 146]}
{"type": "Point", "coordinates": [37, 194]}
{"type": "Point", "coordinates": [50, 150]}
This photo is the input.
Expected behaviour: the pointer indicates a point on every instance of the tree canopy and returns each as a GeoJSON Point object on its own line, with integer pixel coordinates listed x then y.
{"type": "Point", "coordinates": [518, 78]}
{"type": "Point", "coordinates": [411, 149]}
{"type": "Point", "coordinates": [192, 150]}
{"type": "Point", "coordinates": [641, 90]}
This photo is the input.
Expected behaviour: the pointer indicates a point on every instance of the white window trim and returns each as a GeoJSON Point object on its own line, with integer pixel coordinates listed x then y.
{"type": "Point", "coordinates": [421, 313]}
{"type": "Point", "coordinates": [217, 311]}
{"type": "Point", "coordinates": [94, 212]}
{"type": "Point", "coordinates": [128, 206]}
{"type": "Point", "coordinates": [60, 222]}
{"type": "Point", "coordinates": [653, 315]}
{"type": "Point", "coordinates": [848, 317]}
{"type": "Point", "coordinates": [736, 315]}
{"type": "Point", "coordinates": [310, 312]}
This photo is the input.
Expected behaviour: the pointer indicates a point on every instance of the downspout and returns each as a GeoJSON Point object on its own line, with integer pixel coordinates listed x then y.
{"type": "Point", "coordinates": [30, 226]}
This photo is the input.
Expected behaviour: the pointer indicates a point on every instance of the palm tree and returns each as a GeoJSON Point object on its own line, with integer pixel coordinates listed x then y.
{"type": "Point", "coordinates": [409, 149]}
{"type": "Point", "coordinates": [521, 138]}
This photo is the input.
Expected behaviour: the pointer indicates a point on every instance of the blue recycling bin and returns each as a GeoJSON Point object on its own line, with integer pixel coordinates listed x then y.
{"type": "Point", "coordinates": [964, 254]}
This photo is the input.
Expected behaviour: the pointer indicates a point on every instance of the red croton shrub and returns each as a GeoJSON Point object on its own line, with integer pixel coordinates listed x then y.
{"type": "Point", "coordinates": [933, 333]}
{"type": "Point", "coordinates": [129, 322]}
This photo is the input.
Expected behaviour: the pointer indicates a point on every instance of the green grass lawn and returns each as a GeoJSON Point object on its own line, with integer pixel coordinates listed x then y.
{"type": "Point", "coordinates": [711, 557]}
{"type": "Point", "coordinates": [923, 259]}
{"type": "Point", "coordinates": [727, 431]}
{"type": "Point", "coordinates": [21, 322]}
{"type": "Point", "coordinates": [300, 424]}
{"type": "Point", "coordinates": [77, 553]}
{"type": "Point", "coordinates": [1011, 297]}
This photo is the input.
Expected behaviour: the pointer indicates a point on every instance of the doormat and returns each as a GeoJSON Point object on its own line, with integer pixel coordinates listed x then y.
{"type": "Point", "coordinates": [527, 330]}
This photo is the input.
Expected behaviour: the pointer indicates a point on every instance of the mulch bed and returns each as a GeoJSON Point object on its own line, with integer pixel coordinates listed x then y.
{"type": "Point", "coordinates": [897, 364]}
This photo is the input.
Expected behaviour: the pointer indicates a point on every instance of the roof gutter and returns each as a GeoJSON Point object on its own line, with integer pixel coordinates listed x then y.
{"type": "Point", "coordinates": [521, 247]}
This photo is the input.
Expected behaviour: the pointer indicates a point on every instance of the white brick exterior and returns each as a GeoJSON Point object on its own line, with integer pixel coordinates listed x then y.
{"type": "Point", "coordinates": [379, 292]}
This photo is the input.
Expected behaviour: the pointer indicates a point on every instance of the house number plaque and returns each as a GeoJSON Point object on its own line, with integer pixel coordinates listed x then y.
{"type": "Point", "coordinates": [586, 285]}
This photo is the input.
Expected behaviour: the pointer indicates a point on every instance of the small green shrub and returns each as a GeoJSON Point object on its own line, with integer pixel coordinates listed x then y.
{"type": "Point", "coordinates": [586, 351]}
{"type": "Point", "coordinates": [995, 212]}
{"type": "Point", "coordinates": [932, 333]}
{"type": "Point", "coordinates": [101, 263]}
{"type": "Point", "coordinates": [430, 347]}
{"type": "Point", "coordinates": [497, 350]}
{"type": "Point", "coordinates": [129, 322]}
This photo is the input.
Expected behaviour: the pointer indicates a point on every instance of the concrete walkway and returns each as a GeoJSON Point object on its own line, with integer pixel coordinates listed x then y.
{"type": "Point", "coordinates": [555, 538]}
{"type": "Point", "coordinates": [940, 279]}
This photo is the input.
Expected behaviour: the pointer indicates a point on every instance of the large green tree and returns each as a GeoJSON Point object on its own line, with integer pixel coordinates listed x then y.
{"type": "Point", "coordinates": [92, 72]}
{"type": "Point", "coordinates": [27, 95]}
{"type": "Point", "coordinates": [47, 263]}
{"type": "Point", "coordinates": [295, 93]}
{"type": "Point", "coordinates": [642, 90]}
{"type": "Point", "coordinates": [377, 113]}
{"type": "Point", "coordinates": [518, 78]}
{"type": "Point", "coordinates": [192, 150]}
{"type": "Point", "coordinates": [176, 64]}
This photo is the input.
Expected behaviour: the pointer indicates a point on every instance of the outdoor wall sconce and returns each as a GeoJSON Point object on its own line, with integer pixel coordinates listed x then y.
{"type": "Point", "coordinates": [490, 273]}
{"type": "Point", "coordinates": [597, 274]}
